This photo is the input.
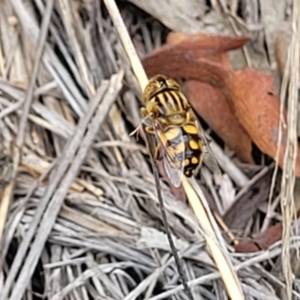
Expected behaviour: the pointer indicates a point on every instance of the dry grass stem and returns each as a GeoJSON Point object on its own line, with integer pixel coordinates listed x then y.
{"type": "Point", "coordinates": [289, 177]}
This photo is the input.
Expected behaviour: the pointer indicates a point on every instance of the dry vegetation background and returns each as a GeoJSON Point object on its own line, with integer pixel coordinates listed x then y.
{"type": "Point", "coordinates": [79, 216]}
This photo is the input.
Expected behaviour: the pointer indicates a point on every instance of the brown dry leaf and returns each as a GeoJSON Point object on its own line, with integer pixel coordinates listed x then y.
{"type": "Point", "coordinates": [212, 105]}
{"type": "Point", "coordinates": [263, 242]}
{"type": "Point", "coordinates": [194, 58]}
{"type": "Point", "coordinates": [192, 48]}
{"type": "Point", "coordinates": [175, 65]}
{"type": "Point", "coordinates": [207, 41]}
{"type": "Point", "coordinates": [252, 96]}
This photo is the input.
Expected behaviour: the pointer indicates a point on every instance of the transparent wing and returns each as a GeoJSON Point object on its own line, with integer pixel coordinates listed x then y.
{"type": "Point", "coordinates": [173, 163]}
{"type": "Point", "coordinates": [209, 158]}
{"type": "Point", "coordinates": [174, 174]}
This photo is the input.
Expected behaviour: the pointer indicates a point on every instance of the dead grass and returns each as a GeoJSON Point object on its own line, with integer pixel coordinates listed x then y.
{"type": "Point", "coordinates": [79, 215]}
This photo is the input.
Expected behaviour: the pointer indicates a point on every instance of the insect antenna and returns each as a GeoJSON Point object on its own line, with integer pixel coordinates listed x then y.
{"type": "Point", "coordinates": [144, 119]}
{"type": "Point", "coordinates": [167, 227]}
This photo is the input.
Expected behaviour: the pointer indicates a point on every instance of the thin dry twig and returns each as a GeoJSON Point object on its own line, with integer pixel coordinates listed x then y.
{"type": "Point", "coordinates": [289, 177]}
{"type": "Point", "coordinates": [235, 29]}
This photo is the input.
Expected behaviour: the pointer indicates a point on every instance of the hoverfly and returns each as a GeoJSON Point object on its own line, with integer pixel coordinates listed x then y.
{"type": "Point", "coordinates": [169, 116]}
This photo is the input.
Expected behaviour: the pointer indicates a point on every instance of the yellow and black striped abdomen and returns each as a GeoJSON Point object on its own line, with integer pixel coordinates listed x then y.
{"type": "Point", "coordinates": [183, 144]}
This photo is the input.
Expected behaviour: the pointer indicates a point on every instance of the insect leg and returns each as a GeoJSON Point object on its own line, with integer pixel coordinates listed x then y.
{"type": "Point", "coordinates": [157, 153]}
